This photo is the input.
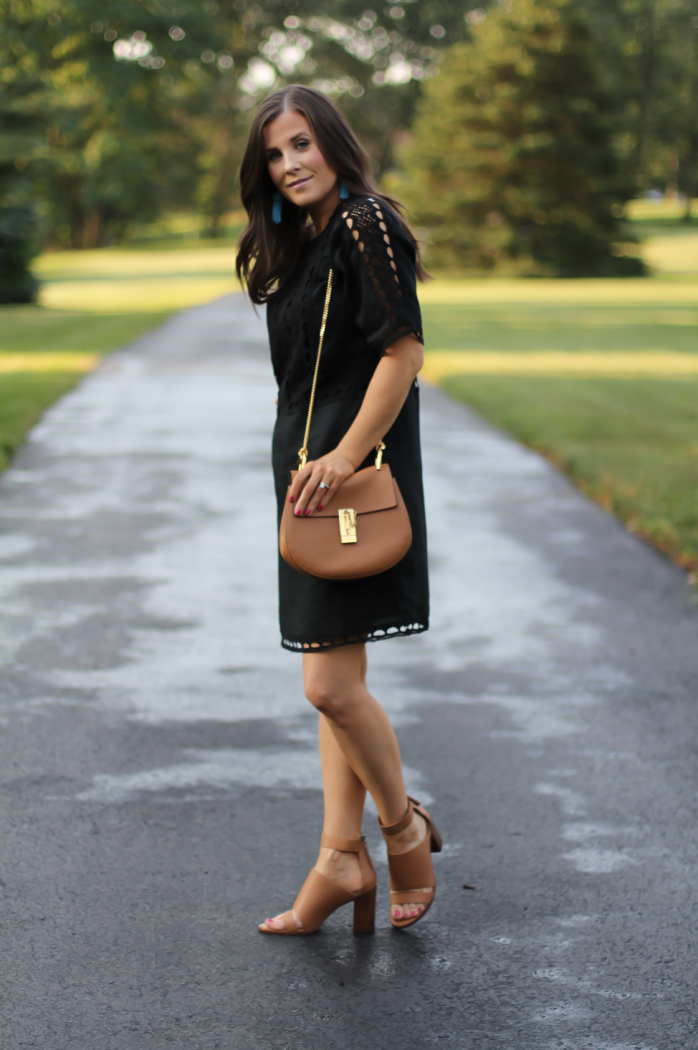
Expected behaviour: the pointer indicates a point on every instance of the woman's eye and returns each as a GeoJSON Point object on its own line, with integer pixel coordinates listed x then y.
{"type": "Point", "coordinates": [302, 143]}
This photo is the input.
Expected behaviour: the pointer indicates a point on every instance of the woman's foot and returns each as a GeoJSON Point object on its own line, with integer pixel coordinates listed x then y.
{"type": "Point", "coordinates": [403, 842]}
{"type": "Point", "coordinates": [342, 868]}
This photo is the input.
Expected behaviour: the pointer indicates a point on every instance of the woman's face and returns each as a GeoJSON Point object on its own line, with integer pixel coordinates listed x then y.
{"type": "Point", "coordinates": [296, 165]}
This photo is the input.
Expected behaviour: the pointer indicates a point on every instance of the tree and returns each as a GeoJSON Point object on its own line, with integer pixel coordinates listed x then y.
{"type": "Point", "coordinates": [372, 63]}
{"type": "Point", "coordinates": [22, 122]}
{"type": "Point", "coordinates": [649, 59]}
{"type": "Point", "coordinates": [18, 246]}
{"type": "Point", "coordinates": [512, 161]}
{"type": "Point", "coordinates": [118, 112]}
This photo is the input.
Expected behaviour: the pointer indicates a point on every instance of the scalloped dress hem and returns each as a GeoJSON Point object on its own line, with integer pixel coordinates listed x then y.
{"type": "Point", "coordinates": [379, 634]}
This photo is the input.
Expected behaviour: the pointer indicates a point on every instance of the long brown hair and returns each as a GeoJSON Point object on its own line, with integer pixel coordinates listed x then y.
{"type": "Point", "coordinates": [267, 253]}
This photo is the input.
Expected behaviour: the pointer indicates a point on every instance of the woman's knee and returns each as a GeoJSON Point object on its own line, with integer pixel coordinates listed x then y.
{"type": "Point", "coordinates": [329, 699]}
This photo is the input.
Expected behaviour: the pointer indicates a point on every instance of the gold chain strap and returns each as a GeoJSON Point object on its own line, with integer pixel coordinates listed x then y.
{"type": "Point", "coordinates": [303, 452]}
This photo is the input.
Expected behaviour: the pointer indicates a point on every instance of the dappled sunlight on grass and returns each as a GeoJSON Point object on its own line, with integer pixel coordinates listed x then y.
{"type": "Point", "coordinates": [123, 280]}
{"type": "Point", "coordinates": [135, 295]}
{"type": "Point", "coordinates": [599, 376]}
{"type": "Point", "coordinates": [119, 263]}
{"type": "Point", "coordinates": [675, 253]}
{"type": "Point", "coordinates": [47, 362]}
{"type": "Point", "coordinates": [439, 364]}
{"type": "Point", "coordinates": [559, 292]}
{"type": "Point", "coordinates": [38, 330]}
{"type": "Point", "coordinates": [644, 210]}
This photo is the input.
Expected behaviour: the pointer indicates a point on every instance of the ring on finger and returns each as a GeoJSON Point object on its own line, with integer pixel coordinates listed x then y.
{"type": "Point", "coordinates": [322, 485]}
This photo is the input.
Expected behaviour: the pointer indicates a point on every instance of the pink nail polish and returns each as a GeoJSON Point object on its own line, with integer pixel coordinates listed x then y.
{"type": "Point", "coordinates": [291, 499]}
{"type": "Point", "coordinates": [307, 512]}
{"type": "Point", "coordinates": [296, 512]}
{"type": "Point", "coordinates": [320, 507]}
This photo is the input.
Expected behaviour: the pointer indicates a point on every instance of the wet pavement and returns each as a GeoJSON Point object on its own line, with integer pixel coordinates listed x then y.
{"type": "Point", "coordinates": [160, 784]}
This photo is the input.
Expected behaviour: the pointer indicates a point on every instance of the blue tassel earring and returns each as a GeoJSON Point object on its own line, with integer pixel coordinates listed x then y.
{"type": "Point", "coordinates": [343, 192]}
{"type": "Point", "coordinates": [276, 208]}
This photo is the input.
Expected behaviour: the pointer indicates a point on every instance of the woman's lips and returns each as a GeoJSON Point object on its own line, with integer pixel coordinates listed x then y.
{"type": "Point", "coordinates": [299, 182]}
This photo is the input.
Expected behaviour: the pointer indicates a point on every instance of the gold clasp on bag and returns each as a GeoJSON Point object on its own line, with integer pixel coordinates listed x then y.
{"type": "Point", "coordinates": [380, 449]}
{"type": "Point", "coordinates": [347, 525]}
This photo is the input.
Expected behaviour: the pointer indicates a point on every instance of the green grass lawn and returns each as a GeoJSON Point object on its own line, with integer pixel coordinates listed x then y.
{"type": "Point", "coordinates": [630, 442]}
{"type": "Point", "coordinates": [55, 348]}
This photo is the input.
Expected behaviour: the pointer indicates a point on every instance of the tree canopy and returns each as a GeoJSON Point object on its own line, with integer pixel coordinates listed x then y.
{"type": "Point", "coordinates": [116, 113]}
{"type": "Point", "coordinates": [513, 160]}
{"type": "Point", "coordinates": [112, 113]}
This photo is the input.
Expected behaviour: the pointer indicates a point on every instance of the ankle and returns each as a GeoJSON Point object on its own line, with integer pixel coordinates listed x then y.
{"type": "Point", "coordinates": [342, 868]}
{"type": "Point", "coordinates": [409, 837]}
{"type": "Point", "coordinates": [336, 860]}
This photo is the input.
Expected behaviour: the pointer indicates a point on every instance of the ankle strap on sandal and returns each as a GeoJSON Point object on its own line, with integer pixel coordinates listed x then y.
{"type": "Point", "coordinates": [403, 822]}
{"type": "Point", "coordinates": [343, 845]}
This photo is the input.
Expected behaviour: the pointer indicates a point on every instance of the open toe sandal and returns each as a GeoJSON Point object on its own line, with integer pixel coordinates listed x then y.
{"type": "Point", "coordinates": [414, 868]}
{"type": "Point", "coordinates": [320, 896]}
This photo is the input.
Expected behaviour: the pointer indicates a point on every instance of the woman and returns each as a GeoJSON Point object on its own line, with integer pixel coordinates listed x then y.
{"type": "Point", "coordinates": [311, 206]}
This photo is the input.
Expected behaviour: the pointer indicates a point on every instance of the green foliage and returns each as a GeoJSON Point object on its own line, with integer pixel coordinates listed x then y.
{"type": "Point", "coordinates": [18, 246]}
{"type": "Point", "coordinates": [115, 114]}
{"type": "Point", "coordinates": [512, 161]}
{"type": "Point", "coordinates": [657, 41]}
{"type": "Point", "coordinates": [109, 129]}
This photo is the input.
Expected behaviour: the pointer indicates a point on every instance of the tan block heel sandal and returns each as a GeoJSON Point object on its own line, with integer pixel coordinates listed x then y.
{"type": "Point", "coordinates": [320, 896]}
{"type": "Point", "coordinates": [414, 868]}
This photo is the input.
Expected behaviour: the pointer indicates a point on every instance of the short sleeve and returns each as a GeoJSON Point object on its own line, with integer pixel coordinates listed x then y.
{"type": "Point", "coordinates": [379, 260]}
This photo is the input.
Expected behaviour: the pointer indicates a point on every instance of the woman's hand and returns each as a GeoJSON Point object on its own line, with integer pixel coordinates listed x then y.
{"type": "Point", "coordinates": [332, 469]}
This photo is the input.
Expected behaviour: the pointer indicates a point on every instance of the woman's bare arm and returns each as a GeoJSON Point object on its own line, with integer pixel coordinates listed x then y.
{"type": "Point", "coordinates": [382, 402]}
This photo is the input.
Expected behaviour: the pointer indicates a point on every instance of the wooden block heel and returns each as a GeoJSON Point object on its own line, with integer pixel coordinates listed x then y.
{"type": "Point", "coordinates": [320, 896]}
{"type": "Point", "coordinates": [365, 912]}
{"type": "Point", "coordinates": [414, 868]}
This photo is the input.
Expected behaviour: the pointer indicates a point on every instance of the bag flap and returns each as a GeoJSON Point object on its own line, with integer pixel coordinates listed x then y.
{"type": "Point", "coordinates": [366, 491]}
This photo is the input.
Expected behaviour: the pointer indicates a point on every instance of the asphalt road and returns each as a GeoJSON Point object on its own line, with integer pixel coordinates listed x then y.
{"type": "Point", "coordinates": [160, 786]}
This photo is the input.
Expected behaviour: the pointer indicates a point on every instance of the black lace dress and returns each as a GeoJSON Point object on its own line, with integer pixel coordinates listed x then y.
{"type": "Point", "coordinates": [373, 304]}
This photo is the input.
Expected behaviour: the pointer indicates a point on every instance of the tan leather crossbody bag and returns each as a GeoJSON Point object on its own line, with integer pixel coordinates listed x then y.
{"type": "Point", "coordinates": [366, 530]}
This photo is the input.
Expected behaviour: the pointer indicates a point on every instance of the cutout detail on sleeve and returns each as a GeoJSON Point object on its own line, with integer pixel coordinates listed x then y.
{"type": "Point", "coordinates": [365, 220]}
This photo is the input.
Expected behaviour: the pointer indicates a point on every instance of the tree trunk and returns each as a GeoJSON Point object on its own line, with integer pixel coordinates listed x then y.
{"type": "Point", "coordinates": [647, 75]}
{"type": "Point", "coordinates": [224, 184]}
{"type": "Point", "coordinates": [94, 227]}
{"type": "Point", "coordinates": [76, 215]}
{"type": "Point", "coordinates": [692, 148]}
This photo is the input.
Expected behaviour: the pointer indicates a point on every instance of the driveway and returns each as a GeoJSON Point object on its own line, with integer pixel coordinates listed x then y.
{"type": "Point", "coordinates": [160, 784]}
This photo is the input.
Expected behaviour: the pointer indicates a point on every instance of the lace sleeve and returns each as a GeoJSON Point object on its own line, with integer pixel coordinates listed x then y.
{"type": "Point", "coordinates": [380, 263]}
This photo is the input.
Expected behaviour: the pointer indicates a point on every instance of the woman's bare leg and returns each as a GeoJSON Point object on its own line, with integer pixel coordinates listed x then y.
{"type": "Point", "coordinates": [335, 683]}
{"type": "Point", "coordinates": [344, 809]}
{"type": "Point", "coordinates": [359, 749]}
